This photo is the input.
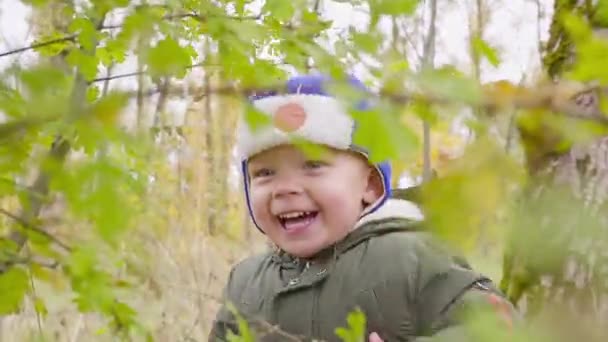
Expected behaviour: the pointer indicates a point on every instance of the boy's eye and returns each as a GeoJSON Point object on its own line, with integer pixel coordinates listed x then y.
{"type": "Point", "coordinates": [261, 173]}
{"type": "Point", "coordinates": [314, 164]}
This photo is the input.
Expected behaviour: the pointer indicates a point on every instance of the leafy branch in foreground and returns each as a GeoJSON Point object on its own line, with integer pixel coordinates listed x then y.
{"type": "Point", "coordinates": [493, 97]}
{"type": "Point", "coordinates": [198, 17]}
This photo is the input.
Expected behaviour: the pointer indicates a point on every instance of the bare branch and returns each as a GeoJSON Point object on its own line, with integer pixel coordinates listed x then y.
{"type": "Point", "coordinates": [13, 259]}
{"type": "Point", "coordinates": [115, 77]}
{"type": "Point", "coordinates": [142, 72]}
{"type": "Point", "coordinates": [39, 45]}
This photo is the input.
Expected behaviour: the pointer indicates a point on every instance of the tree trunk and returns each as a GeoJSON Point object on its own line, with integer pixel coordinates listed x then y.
{"type": "Point", "coordinates": [556, 262]}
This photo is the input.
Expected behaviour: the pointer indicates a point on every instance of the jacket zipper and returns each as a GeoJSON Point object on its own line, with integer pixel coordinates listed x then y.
{"type": "Point", "coordinates": [314, 328]}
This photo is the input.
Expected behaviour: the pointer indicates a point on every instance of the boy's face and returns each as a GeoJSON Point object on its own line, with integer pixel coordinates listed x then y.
{"type": "Point", "coordinates": [305, 205]}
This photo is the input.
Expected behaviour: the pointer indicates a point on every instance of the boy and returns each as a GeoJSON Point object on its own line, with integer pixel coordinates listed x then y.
{"type": "Point", "coordinates": [342, 242]}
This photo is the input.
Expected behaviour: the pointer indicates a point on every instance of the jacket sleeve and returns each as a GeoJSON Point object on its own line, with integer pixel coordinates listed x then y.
{"type": "Point", "coordinates": [446, 321]}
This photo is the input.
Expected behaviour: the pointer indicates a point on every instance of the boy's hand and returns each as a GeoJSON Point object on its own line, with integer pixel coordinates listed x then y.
{"type": "Point", "coordinates": [374, 337]}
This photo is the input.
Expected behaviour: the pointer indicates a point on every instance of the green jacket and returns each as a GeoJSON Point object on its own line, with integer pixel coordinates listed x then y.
{"type": "Point", "coordinates": [407, 285]}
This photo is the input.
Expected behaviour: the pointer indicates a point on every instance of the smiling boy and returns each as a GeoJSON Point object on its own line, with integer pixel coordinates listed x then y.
{"type": "Point", "coordinates": [342, 242]}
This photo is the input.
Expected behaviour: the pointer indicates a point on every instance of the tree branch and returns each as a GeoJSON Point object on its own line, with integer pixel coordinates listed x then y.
{"type": "Point", "coordinates": [31, 206]}
{"type": "Point", "coordinates": [39, 45]}
{"type": "Point", "coordinates": [543, 97]}
{"type": "Point", "coordinates": [428, 61]}
{"type": "Point", "coordinates": [29, 226]}
{"type": "Point", "coordinates": [195, 16]}
{"type": "Point", "coordinates": [142, 72]}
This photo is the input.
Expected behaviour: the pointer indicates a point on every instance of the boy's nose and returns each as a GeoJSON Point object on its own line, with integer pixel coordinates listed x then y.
{"type": "Point", "coordinates": [286, 187]}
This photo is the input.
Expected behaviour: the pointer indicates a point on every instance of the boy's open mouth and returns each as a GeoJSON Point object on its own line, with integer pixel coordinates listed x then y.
{"type": "Point", "coordinates": [297, 219]}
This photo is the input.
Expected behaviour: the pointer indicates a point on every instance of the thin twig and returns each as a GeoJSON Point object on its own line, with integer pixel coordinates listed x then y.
{"type": "Point", "coordinates": [21, 187]}
{"type": "Point", "coordinates": [115, 77]}
{"type": "Point", "coordinates": [71, 37]}
{"type": "Point", "coordinates": [142, 72]}
{"type": "Point", "coordinates": [38, 318]}
{"type": "Point", "coordinates": [17, 260]}
{"type": "Point", "coordinates": [39, 45]}
{"type": "Point", "coordinates": [106, 83]}
{"type": "Point", "coordinates": [428, 61]}
{"type": "Point", "coordinates": [269, 329]}
{"type": "Point", "coordinates": [27, 225]}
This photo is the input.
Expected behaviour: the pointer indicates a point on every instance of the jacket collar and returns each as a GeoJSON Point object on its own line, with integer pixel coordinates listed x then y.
{"type": "Point", "coordinates": [392, 208]}
{"type": "Point", "coordinates": [393, 215]}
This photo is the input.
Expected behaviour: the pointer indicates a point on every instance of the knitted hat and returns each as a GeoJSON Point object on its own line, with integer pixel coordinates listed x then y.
{"type": "Point", "coordinates": [305, 110]}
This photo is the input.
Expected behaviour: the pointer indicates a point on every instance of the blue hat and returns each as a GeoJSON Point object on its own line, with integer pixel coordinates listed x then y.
{"type": "Point", "coordinates": [305, 109]}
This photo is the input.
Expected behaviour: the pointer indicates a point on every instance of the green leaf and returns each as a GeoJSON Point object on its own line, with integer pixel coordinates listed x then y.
{"type": "Point", "coordinates": [7, 186]}
{"type": "Point", "coordinates": [138, 24]}
{"type": "Point", "coordinates": [355, 330]}
{"type": "Point", "coordinates": [48, 88]}
{"type": "Point", "coordinates": [246, 32]}
{"type": "Point", "coordinates": [246, 334]}
{"type": "Point", "coordinates": [392, 7]}
{"type": "Point", "coordinates": [40, 306]}
{"type": "Point", "coordinates": [424, 110]}
{"type": "Point", "coordinates": [104, 55]}
{"type": "Point", "coordinates": [59, 44]}
{"type": "Point", "coordinates": [92, 285]}
{"type": "Point", "coordinates": [114, 51]}
{"type": "Point", "coordinates": [395, 140]}
{"type": "Point", "coordinates": [576, 26]}
{"type": "Point", "coordinates": [470, 192]}
{"type": "Point", "coordinates": [379, 8]}
{"type": "Point", "coordinates": [107, 109]}
{"type": "Point", "coordinates": [86, 33]}
{"type": "Point", "coordinates": [99, 192]}
{"type": "Point", "coordinates": [92, 93]}
{"type": "Point", "coordinates": [367, 42]}
{"type": "Point", "coordinates": [239, 6]}
{"type": "Point", "coordinates": [279, 10]}
{"type": "Point", "coordinates": [482, 48]}
{"type": "Point", "coordinates": [16, 152]}
{"type": "Point", "coordinates": [168, 58]}
{"type": "Point", "coordinates": [123, 315]}
{"type": "Point", "coordinates": [86, 64]}
{"type": "Point", "coordinates": [450, 85]}
{"type": "Point", "coordinates": [35, 3]}
{"type": "Point", "coordinates": [256, 120]}
{"type": "Point", "coordinates": [46, 80]}
{"type": "Point", "coordinates": [14, 284]}
{"type": "Point", "coordinates": [12, 103]}
{"type": "Point", "coordinates": [591, 57]}
{"type": "Point", "coordinates": [601, 13]}
{"type": "Point", "coordinates": [103, 6]}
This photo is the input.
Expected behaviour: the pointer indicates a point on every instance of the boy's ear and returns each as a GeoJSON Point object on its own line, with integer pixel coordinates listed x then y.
{"type": "Point", "coordinates": [374, 187]}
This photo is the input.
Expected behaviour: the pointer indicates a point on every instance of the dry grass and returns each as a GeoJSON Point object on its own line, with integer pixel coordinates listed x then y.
{"type": "Point", "coordinates": [180, 285]}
